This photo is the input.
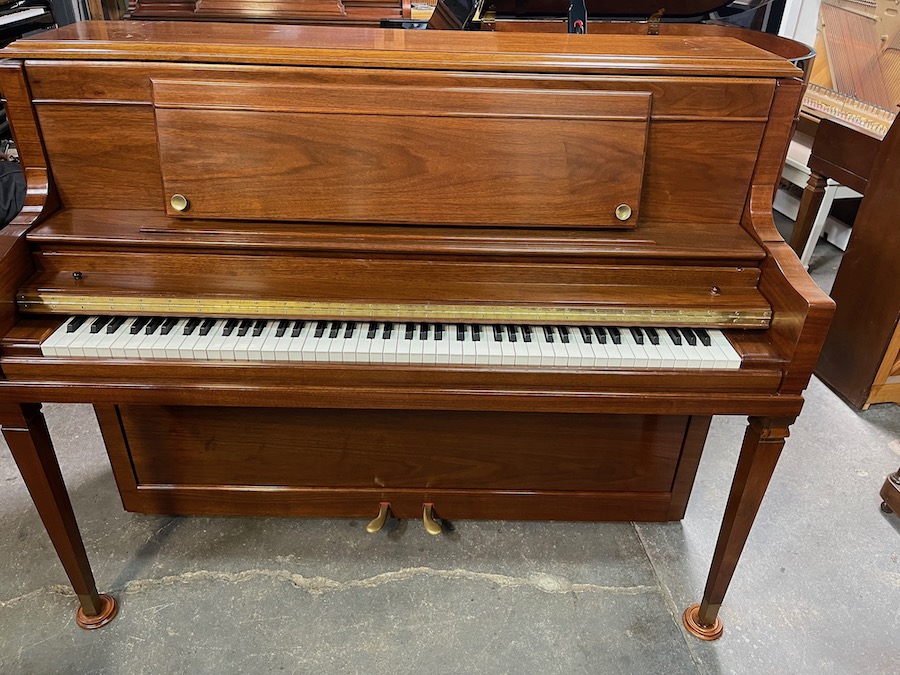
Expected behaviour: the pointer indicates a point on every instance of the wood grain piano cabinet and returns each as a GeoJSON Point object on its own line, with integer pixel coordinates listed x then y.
{"type": "Point", "coordinates": [421, 274]}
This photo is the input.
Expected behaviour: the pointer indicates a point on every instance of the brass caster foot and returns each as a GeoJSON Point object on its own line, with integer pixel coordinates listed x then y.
{"type": "Point", "coordinates": [886, 508]}
{"type": "Point", "coordinates": [108, 611]}
{"type": "Point", "coordinates": [691, 620]}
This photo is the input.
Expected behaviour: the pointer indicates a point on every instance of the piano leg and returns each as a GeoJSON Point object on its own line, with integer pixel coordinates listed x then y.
{"type": "Point", "coordinates": [763, 442]}
{"type": "Point", "coordinates": [810, 203]}
{"type": "Point", "coordinates": [26, 433]}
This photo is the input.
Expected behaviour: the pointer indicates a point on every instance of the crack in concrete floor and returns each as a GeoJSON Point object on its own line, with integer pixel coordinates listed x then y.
{"type": "Point", "coordinates": [318, 585]}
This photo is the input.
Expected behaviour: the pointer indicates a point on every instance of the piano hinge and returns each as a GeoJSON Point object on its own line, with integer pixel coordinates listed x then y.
{"type": "Point", "coordinates": [654, 21]}
{"type": "Point", "coordinates": [61, 303]}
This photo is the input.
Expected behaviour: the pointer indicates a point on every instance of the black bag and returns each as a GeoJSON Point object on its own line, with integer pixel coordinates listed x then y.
{"type": "Point", "coordinates": [12, 191]}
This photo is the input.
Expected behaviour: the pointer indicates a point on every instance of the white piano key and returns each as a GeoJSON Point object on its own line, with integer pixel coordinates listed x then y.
{"type": "Point", "coordinates": [257, 342]}
{"type": "Point", "coordinates": [375, 345]}
{"type": "Point", "coordinates": [69, 343]}
{"type": "Point", "coordinates": [203, 346]}
{"type": "Point", "coordinates": [170, 347]}
{"type": "Point", "coordinates": [729, 359]}
{"type": "Point", "coordinates": [103, 346]}
{"type": "Point", "coordinates": [391, 342]}
{"type": "Point", "coordinates": [417, 346]}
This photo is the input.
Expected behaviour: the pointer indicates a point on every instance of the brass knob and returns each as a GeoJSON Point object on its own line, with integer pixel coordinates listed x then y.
{"type": "Point", "coordinates": [378, 522]}
{"type": "Point", "coordinates": [432, 526]}
{"type": "Point", "coordinates": [179, 202]}
{"type": "Point", "coordinates": [623, 212]}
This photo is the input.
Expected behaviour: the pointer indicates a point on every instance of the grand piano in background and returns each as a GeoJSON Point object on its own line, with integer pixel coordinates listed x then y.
{"type": "Point", "coordinates": [445, 275]}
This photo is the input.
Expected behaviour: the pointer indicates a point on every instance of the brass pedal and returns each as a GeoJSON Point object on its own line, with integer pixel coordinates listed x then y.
{"type": "Point", "coordinates": [378, 521]}
{"type": "Point", "coordinates": [432, 526]}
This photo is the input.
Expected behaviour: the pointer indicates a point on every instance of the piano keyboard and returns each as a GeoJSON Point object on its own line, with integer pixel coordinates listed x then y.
{"type": "Point", "coordinates": [206, 339]}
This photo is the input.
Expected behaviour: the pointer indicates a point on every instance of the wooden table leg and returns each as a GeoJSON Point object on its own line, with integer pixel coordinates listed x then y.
{"type": "Point", "coordinates": [26, 433]}
{"type": "Point", "coordinates": [763, 442]}
{"type": "Point", "coordinates": [810, 203]}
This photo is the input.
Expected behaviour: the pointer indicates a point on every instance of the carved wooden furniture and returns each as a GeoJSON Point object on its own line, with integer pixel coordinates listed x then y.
{"type": "Point", "coordinates": [842, 155]}
{"type": "Point", "coordinates": [861, 357]}
{"type": "Point", "coordinates": [443, 180]}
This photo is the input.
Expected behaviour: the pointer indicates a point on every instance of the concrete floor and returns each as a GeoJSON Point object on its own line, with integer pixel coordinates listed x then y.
{"type": "Point", "coordinates": [817, 590]}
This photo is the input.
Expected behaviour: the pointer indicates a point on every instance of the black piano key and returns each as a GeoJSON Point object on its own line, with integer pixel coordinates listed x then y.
{"type": "Point", "coordinates": [139, 323]}
{"type": "Point", "coordinates": [229, 327]}
{"type": "Point", "coordinates": [191, 325]}
{"type": "Point", "coordinates": [585, 334]}
{"type": "Point", "coordinates": [320, 328]}
{"type": "Point", "coordinates": [653, 335]}
{"type": "Point", "coordinates": [424, 330]}
{"type": "Point", "coordinates": [526, 333]}
{"type": "Point", "coordinates": [244, 327]}
{"type": "Point", "coordinates": [438, 331]}
{"type": "Point", "coordinates": [351, 328]}
{"type": "Point", "coordinates": [563, 334]}
{"type": "Point", "coordinates": [259, 327]}
{"type": "Point", "coordinates": [282, 327]}
{"type": "Point", "coordinates": [373, 330]}
{"type": "Point", "coordinates": [689, 336]}
{"type": "Point", "coordinates": [335, 329]}
{"type": "Point", "coordinates": [705, 340]}
{"type": "Point", "coordinates": [615, 334]}
{"type": "Point", "coordinates": [154, 323]}
{"type": "Point", "coordinates": [168, 325]}
{"type": "Point", "coordinates": [207, 326]}
{"type": "Point", "coordinates": [476, 333]}
{"type": "Point", "coordinates": [498, 333]}
{"type": "Point", "coordinates": [75, 323]}
{"type": "Point", "coordinates": [298, 326]}
{"type": "Point", "coordinates": [637, 334]}
{"type": "Point", "coordinates": [674, 335]}
{"type": "Point", "coordinates": [388, 329]}
{"type": "Point", "coordinates": [548, 333]}
{"type": "Point", "coordinates": [410, 331]}
{"type": "Point", "coordinates": [513, 333]}
{"type": "Point", "coordinates": [600, 332]}
{"type": "Point", "coordinates": [115, 324]}
{"type": "Point", "coordinates": [99, 323]}
{"type": "Point", "coordinates": [460, 332]}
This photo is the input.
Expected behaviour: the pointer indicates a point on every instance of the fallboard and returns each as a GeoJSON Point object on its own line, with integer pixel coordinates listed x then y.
{"type": "Point", "coordinates": [401, 153]}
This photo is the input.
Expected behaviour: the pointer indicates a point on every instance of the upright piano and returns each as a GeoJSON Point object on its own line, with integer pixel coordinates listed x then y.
{"type": "Point", "coordinates": [308, 271]}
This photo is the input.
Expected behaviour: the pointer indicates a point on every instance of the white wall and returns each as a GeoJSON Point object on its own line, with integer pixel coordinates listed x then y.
{"type": "Point", "coordinates": [800, 20]}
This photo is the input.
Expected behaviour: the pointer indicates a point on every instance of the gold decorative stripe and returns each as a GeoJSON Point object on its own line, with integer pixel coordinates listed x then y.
{"type": "Point", "coordinates": [58, 303]}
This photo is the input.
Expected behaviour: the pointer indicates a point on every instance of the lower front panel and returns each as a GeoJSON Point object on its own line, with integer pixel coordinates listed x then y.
{"type": "Point", "coordinates": [334, 462]}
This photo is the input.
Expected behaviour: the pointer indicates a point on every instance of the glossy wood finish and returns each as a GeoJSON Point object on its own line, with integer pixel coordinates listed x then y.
{"type": "Point", "coordinates": [703, 240]}
{"type": "Point", "coordinates": [861, 354]}
{"type": "Point", "coordinates": [306, 454]}
{"type": "Point", "coordinates": [501, 157]}
{"type": "Point", "coordinates": [347, 12]}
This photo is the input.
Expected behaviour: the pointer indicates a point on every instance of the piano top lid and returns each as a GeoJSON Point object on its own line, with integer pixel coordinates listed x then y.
{"type": "Point", "coordinates": [272, 44]}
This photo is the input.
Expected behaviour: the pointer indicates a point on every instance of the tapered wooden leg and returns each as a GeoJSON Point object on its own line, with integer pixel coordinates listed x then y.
{"type": "Point", "coordinates": [26, 434]}
{"type": "Point", "coordinates": [763, 442]}
{"type": "Point", "coordinates": [810, 203]}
